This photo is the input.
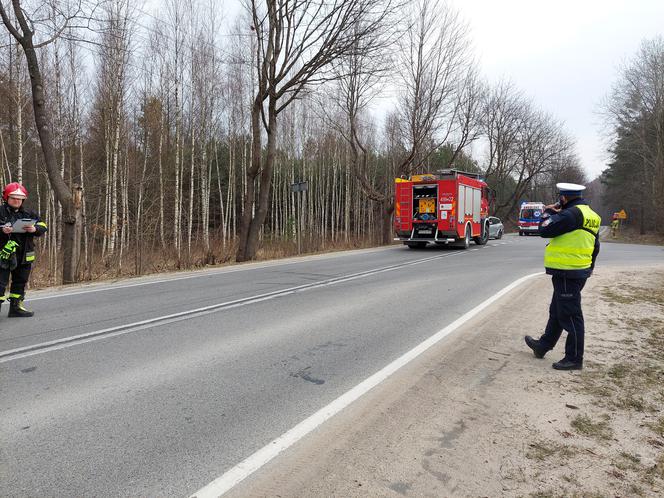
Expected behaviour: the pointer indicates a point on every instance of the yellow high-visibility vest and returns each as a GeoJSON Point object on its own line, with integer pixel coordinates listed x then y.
{"type": "Point", "coordinates": [574, 250]}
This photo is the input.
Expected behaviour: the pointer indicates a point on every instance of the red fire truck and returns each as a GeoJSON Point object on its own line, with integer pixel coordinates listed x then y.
{"type": "Point", "coordinates": [449, 207]}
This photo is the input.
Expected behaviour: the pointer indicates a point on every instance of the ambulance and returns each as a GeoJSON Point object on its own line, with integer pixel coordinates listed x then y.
{"type": "Point", "coordinates": [530, 214]}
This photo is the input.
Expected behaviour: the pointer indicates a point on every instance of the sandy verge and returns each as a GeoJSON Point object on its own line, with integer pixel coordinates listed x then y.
{"type": "Point", "coordinates": [478, 415]}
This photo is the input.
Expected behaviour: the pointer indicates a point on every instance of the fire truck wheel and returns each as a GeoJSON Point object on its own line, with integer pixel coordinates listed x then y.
{"type": "Point", "coordinates": [484, 236]}
{"type": "Point", "coordinates": [520, 234]}
{"type": "Point", "coordinates": [465, 242]}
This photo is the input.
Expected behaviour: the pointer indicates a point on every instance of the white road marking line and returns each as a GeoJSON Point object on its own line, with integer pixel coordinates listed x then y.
{"type": "Point", "coordinates": [65, 342]}
{"type": "Point", "coordinates": [251, 464]}
{"type": "Point", "coordinates": [200, 274]}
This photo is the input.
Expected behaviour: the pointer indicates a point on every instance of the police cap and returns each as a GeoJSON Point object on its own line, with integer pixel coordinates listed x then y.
{"type": "Point", "coordinates": [570, 188]}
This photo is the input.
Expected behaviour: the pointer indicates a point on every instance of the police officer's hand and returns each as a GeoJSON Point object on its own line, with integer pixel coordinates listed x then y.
{"type": "Point", "coordinates": [553, 207]}
{"type": "Point", "coordinates": [7, 229]}
{"type": "Point", "coordinates": [30, 229]}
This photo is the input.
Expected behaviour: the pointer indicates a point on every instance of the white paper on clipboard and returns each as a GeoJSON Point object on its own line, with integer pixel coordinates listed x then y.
{"type": "Point", "coordinates": [19, 225]}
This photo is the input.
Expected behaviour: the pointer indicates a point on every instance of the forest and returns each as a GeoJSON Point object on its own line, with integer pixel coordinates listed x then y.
{"type": "Point", "coordinates": [170, 137]}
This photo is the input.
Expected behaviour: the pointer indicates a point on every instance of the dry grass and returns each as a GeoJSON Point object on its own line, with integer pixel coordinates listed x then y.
{"type": "Point", "coordinates": [630, 294]}
{"type": "Point", "coordinates": [658, 469]}
{"type": "Point", "coordinates": [658, 427]}
{"type": "Point", "coordinates": [627, 461]}
{"type": "Point", "coordinates": [631, 235]}
{"type": "Point", "coordinates": [158, 260]}
{"type": "Point", "coordinates": [541, 450]}
{"type": "Point", "coordinates": [628, 385]}
{"type": "Point", "coordinates": [586, 426]}
{"type": "Point", "coordinates": [564, 493]}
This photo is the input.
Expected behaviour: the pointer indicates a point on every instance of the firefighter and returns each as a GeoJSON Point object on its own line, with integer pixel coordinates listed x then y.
{"type": "Point", "coordinates": [569, 258]}
{"type": "Point", "coordinates": [17, 250]}
{"type": "Point", "coordinates": [614, 227]}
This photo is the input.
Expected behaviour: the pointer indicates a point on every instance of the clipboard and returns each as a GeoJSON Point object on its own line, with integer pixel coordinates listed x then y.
{"type": "Point", "coordinates": [19, 225]}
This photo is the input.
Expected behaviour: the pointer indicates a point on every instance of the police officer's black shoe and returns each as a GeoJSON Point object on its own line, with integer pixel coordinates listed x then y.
{"type": "Point", "coordinates": [566, 364]}
{"type": "Point", "coordinates": [16, 309]}
{"type": "Point", "coordinates": [535, 345]}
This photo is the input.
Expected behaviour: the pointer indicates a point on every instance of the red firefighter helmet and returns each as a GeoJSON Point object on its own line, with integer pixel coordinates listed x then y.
{"type": "Point", "coordinates": [15, 189]}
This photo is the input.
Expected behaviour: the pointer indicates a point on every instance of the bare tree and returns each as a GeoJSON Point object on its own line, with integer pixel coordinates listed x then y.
{"type": "Point", "coordinates": [468, 115]}
{"type": "Point", "coordinates": [526, 147]}
{"type": "Point", "coordinates": [238, 90]}
{"type": "Point", "coordinates": [111, 101]}
{"type": "Point", "coordinates": [359, 77]}
{"type": "Point", "coordinates": [504, 112]}
{"type": "Point", "coordinates": [435, 63]}
{"type": "Point", "coordinates": [19, 70]}
{"type": "Point", "coordinates": [439, 96]}
{"type": "Point", "coordinates": [23, 30]}
{"type": "Point", "coordinates": [296, 42]}
{"type": "Point", "coordinates": [541, 145]}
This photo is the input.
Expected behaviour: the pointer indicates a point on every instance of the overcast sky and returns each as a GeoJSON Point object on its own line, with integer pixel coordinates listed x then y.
{"type": "Point", "coordinates": [563, 54]}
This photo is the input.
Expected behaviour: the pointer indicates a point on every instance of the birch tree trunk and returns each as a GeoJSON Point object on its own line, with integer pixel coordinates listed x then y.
{"type": "Point", "coordinates": [192, 171]}
{"type": "Point", "coordinates": [160, 152]}
{"type": "Point", "coordinates": [19, 121]}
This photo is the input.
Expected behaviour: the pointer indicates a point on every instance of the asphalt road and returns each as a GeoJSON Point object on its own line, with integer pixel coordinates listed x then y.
{"type": "Point", "coordinates": [155, 387]}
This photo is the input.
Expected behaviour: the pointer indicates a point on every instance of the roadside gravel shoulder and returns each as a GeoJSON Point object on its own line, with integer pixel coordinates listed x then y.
{"type": "Point", "coordinates": [478, 415]}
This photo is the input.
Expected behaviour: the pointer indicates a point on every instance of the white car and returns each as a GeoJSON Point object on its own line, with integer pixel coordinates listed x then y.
{"type": "Point", "coordinates": [496, 228]}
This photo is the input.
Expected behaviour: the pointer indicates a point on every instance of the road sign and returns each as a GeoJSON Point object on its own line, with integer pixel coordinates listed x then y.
{"type": "Point", "coordinates": [299, 186]}
{"type": "Point", "coordinates": [622, 215]}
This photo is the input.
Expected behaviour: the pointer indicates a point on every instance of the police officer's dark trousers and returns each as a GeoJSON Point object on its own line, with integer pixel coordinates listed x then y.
{"type": "Point", "coordinates": [20, 276]}
{"type": "Point", "coordinates": [565, 314]}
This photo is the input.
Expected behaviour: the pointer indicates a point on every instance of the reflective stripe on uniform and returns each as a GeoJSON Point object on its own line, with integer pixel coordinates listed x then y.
{"type": "Point", "coordinates": [576, 250]}
{"type": "Point", "coordinates": [573, 250]}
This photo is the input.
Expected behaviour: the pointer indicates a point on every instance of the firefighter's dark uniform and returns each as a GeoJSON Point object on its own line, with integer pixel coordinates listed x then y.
{"type": "Point", "coordinates": [19, 265]}
{"type": "Point", "coordinates": [569, 258]}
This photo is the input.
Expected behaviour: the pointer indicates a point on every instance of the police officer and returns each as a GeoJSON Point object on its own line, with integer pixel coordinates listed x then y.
{"type": "Point", "coordinates": [569, 258]}
{"type": "Point", "coordinates": [17, 249]}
